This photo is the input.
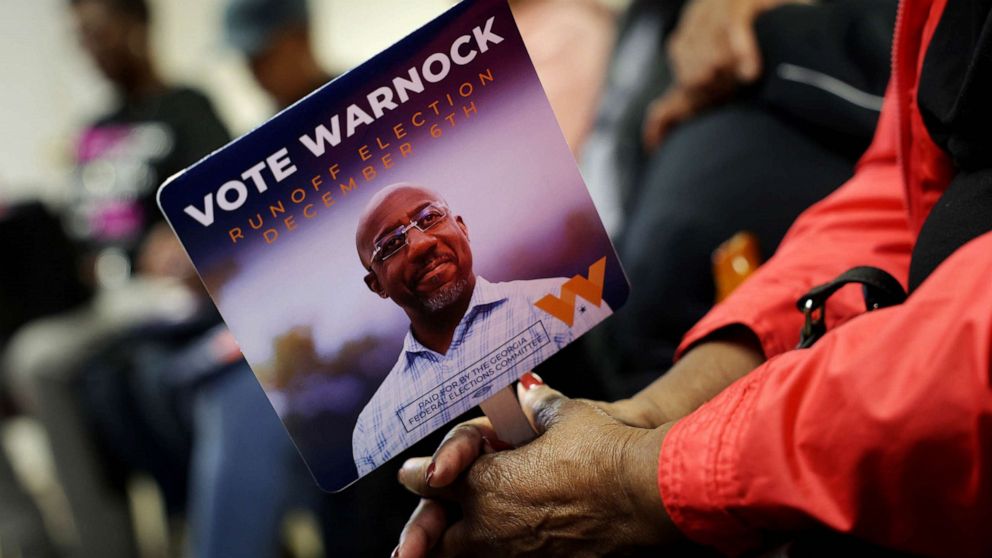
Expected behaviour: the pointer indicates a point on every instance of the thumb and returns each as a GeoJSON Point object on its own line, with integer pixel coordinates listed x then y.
{"type": "Point", "coordinates": [541, 404]}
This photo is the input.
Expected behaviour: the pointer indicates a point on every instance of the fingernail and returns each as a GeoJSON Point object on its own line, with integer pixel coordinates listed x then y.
{"type": "Point", "coordinates": [428, 476]}
{"type": "Point", "coordinates": [531, 380]}
{"type": "Point", "coordinates": [396, 552]}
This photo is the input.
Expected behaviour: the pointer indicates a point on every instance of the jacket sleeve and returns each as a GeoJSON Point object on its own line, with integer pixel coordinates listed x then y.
{"type": "Point", "coordinates": [883, 429]}
{"type": "Point", "coordinates": [864, 222]}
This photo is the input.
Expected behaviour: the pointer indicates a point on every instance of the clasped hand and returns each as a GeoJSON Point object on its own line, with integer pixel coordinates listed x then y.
{"type": "Point", "coordinates": [586, 486]}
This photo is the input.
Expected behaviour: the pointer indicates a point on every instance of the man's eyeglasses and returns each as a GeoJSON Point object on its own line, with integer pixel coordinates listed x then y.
{"type": "Point", "coordinates": [395, 240]}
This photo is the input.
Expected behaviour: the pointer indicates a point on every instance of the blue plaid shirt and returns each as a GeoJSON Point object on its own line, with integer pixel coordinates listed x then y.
{"type": "Point", "coordinates": [501, 336]}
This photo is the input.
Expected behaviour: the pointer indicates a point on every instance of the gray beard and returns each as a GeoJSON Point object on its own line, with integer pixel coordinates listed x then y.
{"type": "Point", "coordinates": [443, 297]}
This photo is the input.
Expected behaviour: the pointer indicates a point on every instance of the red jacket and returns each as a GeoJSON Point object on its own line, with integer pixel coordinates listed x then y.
{"type": "Point", "coordinates": [884, 428]}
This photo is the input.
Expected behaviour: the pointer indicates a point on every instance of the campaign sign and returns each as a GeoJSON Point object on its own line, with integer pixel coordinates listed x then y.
{"type": "Point", "coordinates": [401, 244]}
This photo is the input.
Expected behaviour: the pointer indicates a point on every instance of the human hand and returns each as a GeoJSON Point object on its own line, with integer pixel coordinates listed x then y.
{"type": "Point", "coordinates": [466, 442]}
{"type": "Point", "coordinates": [713, 50]}
{"type": "Point", "coordinates": [586, 486]}
{"type": "Point", "coordinates": [715, 40]}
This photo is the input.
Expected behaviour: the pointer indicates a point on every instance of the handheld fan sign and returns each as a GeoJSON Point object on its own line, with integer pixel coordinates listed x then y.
{"type": "Point", "coordinates": [402, 244]}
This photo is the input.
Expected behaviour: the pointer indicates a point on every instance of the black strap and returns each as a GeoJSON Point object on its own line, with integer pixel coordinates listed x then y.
{"type": "Point", "coordinates": [879, 289]}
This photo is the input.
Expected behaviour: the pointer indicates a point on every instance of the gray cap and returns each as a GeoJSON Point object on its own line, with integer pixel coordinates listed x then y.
{"type": "Point", "coordinates": [250, 24]}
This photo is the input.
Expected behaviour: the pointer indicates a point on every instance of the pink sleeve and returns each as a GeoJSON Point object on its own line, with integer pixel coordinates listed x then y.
{"type": "Point", "coordinates": [883, 429]}
{"type": "Point", "coordinates": [864, 222]}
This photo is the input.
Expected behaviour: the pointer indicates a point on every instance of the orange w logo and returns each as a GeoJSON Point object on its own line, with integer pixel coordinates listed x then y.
{"type": "Point", "coordinates": [591, 289]}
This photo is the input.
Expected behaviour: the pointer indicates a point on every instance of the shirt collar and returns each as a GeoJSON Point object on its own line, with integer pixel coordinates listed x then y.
{"type": "Point", "coordinates": [484, 294]}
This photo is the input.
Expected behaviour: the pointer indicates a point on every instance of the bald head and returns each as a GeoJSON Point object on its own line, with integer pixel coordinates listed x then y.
{"type": "Point", "coordinates": [393, 200]}
{"type": "Point", "coordinates": [423, 269]}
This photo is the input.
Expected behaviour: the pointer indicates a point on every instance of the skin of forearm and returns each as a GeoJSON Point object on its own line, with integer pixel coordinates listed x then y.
{"type": "Point", "coordinates": [704, 371]}
{"type": "Point", "coordinates": [639, 487]}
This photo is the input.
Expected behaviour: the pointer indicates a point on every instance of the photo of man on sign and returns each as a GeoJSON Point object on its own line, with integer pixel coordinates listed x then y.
{"type": "Point", "coordinates": [468, 337]}
{"type": "Point", "coordinates": [480, 252]}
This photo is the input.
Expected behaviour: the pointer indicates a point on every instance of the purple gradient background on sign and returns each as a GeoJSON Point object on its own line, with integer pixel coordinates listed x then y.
{"type": "Point", "coordinates": [506, 170]}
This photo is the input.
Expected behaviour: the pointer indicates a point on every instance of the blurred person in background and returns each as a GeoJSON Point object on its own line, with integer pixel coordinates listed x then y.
{"type": "Point", "coordinates": [34, 288]}
{"type": "Point", "coordinates": [22, 529]}
{"type": "Point", "coordinates": [274, 36]}
{"type": "Point", "coordinates": [275, 39]}
{"type": "Point", "coordinates": [134, 264]}
{"type": "Point", "coordinates": [721, 116]}
{"type": "Point", "coordinates": [170, 394]}
{"type": "Point", "coordinates": [153, 131]}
